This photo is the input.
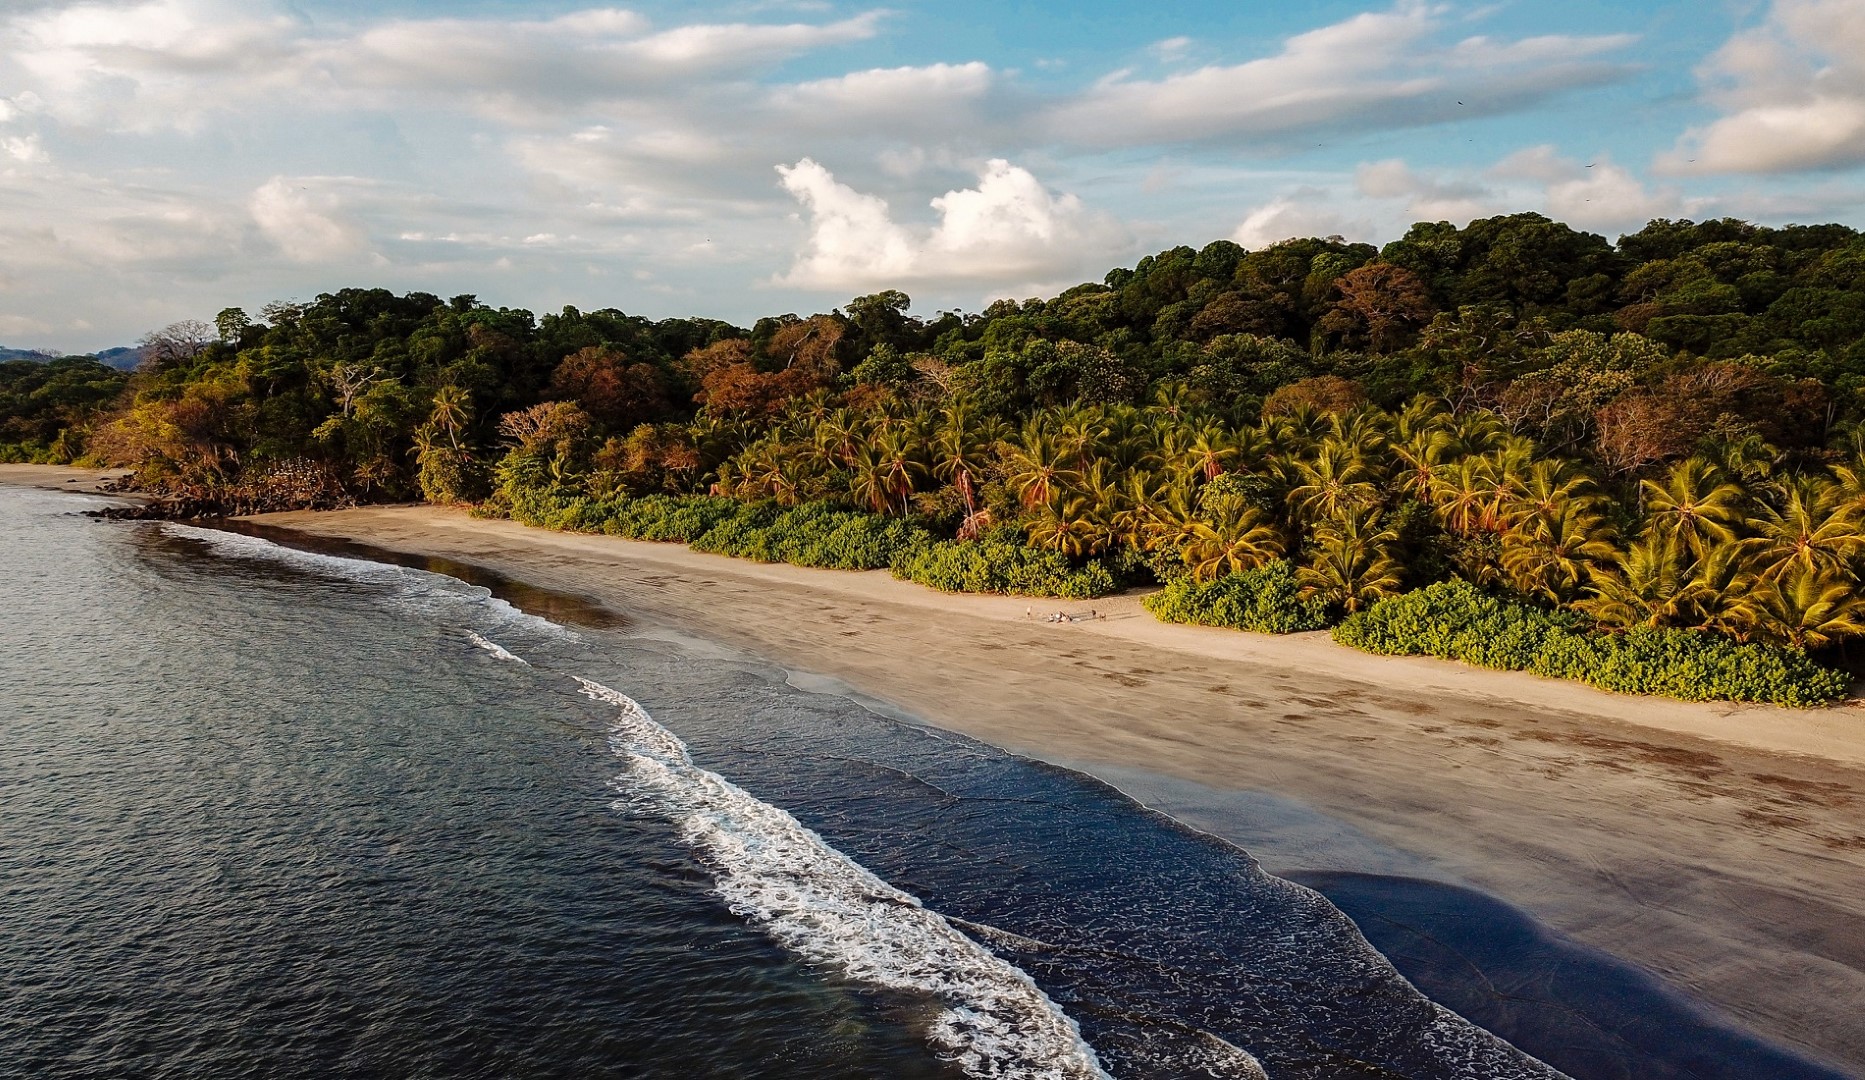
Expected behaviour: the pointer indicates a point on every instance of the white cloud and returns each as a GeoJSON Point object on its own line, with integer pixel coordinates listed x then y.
{"type": "Point", "coordinates": [1374, 70]}
{"type": "Point", "coordinates": [308, 226]}
{"type": "Point", "coordinates": [1299, 214]}
{"type": "Point", "coordinates": [145, 65]}
{"type": "Point", "coordinates": [1172, 48]}
{"type": "Point", "coordinates": [1007, 227]}
{"type": "Point", "coordinates": [1590, 195]}
{"type": "Point", "coordinates": [898, 91]}
{"type": "Point", "coordinates": [1792, 94]}
{"type": "Point", "coordinates": [25, 149]}
{"type": "Point", "coordinates": [1426, 197]}
{"type": "Point", "coordinates": [1598, 195]}
{"type": "Point", "coordinates": [17, 328]}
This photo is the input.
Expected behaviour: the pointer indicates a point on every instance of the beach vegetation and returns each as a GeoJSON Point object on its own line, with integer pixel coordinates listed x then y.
{"type": "Point", "coordinates": [1513, 409]}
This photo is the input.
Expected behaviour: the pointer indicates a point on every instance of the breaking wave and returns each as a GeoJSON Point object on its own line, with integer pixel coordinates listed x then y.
{"type": "Point", "coordinates": [829, 910]}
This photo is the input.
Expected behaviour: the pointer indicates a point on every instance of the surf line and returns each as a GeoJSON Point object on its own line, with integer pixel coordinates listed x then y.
{"type": "Point", "coordinates": [497, 650]}
{"type": "Point", "coordinates": [831, 911]}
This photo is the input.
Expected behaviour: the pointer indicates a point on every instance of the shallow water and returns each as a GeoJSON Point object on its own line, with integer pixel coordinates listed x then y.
{"type": "Point", "coordinates": [272, 813]}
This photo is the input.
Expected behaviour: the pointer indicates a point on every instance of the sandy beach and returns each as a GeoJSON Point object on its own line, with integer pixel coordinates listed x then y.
{"type": "Point", "coordinates": [60, 477]}
{"type": "Point", "coordinates": [1721, 847]}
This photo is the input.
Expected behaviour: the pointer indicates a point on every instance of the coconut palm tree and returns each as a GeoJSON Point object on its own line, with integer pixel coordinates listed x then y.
{"type": "Point", "coordinates": [1039, 465]}
{"type": "Point", "coordinates": [453, 411]}
{"type": "Point", "coordinates": [1210, 452]}
{"type": "Point", "coordinates": [1695, 504]}
{"type": "Point", "coordinates": [1807, 524]}
{"type": "Point", "coordinates": [1334, 480]}
{"type": "Point", "coordinates": [1350, 565]}
{"type": "Point", "coordinates": [1806, 607]}
{"type": "Point", "coordinates": [1546, 485]}
{"type": "Point", "coordinates": [1421, 455]}
{"type": "Point", "coordinates": [1551, 555]}
{"type": "Point", "coordinates": [1650, 584]}
{"type": "Point", "coordinates": [1229, 534]}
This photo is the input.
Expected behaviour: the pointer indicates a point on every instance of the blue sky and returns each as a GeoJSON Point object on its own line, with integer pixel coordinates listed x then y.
{"type": "Point", "coordinates": [161, 159]}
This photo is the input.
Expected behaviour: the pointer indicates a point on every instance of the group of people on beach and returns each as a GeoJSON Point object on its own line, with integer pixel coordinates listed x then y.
{"type": "Point", "coordinates": [1063, 616]}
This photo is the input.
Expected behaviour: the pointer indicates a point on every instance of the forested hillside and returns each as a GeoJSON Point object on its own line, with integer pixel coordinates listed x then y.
{"type": "Point", "coordinates": [1659, 433]}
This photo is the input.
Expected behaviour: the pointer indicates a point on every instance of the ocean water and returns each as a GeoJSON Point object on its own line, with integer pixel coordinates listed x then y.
{"type": "Point", "coordinates": [272, 813]}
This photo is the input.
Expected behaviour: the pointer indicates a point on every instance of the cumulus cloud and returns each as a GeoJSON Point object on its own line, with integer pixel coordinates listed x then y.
{"type": "Point", "coordinates": [1591, 195]}
{"type": "Point", "coordinates": [1792, 94]}
{"type": "Point", "coordinates": [1374, 70]}
{"type": "Point", "coordinates": [1426, 197]}
{"type": "Point", "coordinates": [1303, 213]}
{"type": "Point", "coordinates": [1007, 227]}
{"type": "Point", "coordinates": [1595, 194]}
{"type": "Point", "coordinates": [308, 226]}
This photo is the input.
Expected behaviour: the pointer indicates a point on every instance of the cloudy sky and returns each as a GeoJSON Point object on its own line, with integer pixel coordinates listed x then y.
{"type": "Point", "coordinates": [162, 159]}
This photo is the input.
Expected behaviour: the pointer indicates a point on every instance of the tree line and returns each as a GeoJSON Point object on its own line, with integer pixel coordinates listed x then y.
{"type": "Point", "coordinates": [1660, 433]}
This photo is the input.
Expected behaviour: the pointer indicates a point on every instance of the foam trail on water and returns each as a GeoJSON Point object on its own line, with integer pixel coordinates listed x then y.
{"type": "Point", "coordinates": [828, 909]}
{"type": "Point", "coordinates": [497, 650]}
{"type": "Point", "coordinates": [414, 585]}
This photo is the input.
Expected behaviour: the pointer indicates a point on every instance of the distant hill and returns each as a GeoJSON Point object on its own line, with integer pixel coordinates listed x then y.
{"type": "Point", "coordinates": [123, 359]}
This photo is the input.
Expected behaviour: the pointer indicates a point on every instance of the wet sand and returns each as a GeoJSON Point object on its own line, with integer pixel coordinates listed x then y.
{"type": "Point", "coordinates": [1720, 847]}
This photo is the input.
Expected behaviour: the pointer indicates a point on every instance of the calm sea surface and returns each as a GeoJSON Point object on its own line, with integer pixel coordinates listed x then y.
{"type": "Point", "coordinates": [270, 813]}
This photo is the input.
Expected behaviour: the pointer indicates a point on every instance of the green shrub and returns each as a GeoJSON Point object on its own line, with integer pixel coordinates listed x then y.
{"type": "Point", "coordinates": [1265, 600]}
{"type": "Point", "coordinates": [1457, 621]}
{"type": "Point", "coordinates": [813, 534]}
{"type": "Point", "coordinates": [1001, 566]}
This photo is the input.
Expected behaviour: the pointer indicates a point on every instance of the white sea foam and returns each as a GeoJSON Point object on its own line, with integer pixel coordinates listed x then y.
{"type": "Point", "coordinates": [407, 582]}
{"type": "Point", "coordinates": [497, 650]}
{"type": "Point", "coordinates": [829, 910]}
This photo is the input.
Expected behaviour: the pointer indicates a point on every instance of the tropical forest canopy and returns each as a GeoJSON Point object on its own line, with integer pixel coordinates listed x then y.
{"type": "Point", "coordinates": [1663, 432]}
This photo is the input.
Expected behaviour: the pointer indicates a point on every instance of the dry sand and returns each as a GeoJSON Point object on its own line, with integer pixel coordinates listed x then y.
{"type": "Point", "coordinates": [59, 477]}
{"type": "Point", "coordinates": [1722, 847]}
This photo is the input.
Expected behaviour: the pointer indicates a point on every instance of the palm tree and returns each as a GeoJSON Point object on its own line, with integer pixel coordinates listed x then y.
{"type": "Point", "coordinates": [1807, 525]}
{"type": "Point", "coordinates": [898, 454]}
{"type": "Point", "coordinates": [1365, 429]}
{"type": "Point", "coordinates": [1039, 465]}
{"type": "Point", "coordinates": [1805, 607]}
{"type": "Point", "coordinates": [1166, 518]}
{"type": "Point", "coordinates": [962, 451]}
{"type": "Point", "coordinates": [1750, 459]}
{"type": "Point", "coordinates": [1652, 584]}
{"type": "Point", "coordinates": [1458, 493]}
{"type": "Point", "coordinates": [1720, 582]}
{"type": "Point", "coordinates": [1236, 537]}
{"type": "Point", "coordinates": [453, 407]}
{"type": "Point", "coordinates": [1210, 451]}
{"type": "Point", "coordinates": [1421, 455]}
{"type": "Point", "coordinates": [1694, 504]}
{"type": "Point", "coordinates": [1337, 478]}
{"type": "Point", "coordinates": [1351, 566]}
{"type": "Point", "coordinates": [1543, 488]}
{"type": "Point", "coordinates": [1550, 555]}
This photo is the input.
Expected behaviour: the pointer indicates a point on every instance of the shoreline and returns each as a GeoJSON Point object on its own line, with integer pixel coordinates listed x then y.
{"type": "Point", "coordinates": [1719, 847]}
{"type": "Point", "coordinates": [1725, 855]}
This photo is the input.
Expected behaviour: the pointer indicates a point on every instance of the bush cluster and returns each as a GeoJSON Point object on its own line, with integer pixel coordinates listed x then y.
{"type": "Point", "coordinates": [1265, 599]}
{"type": "Point", "coordinates": [1457, 621]}
{"type": "Point", "coordinates": [812, 534]}
{"type": "Point", "coordinates": [994, 565]}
